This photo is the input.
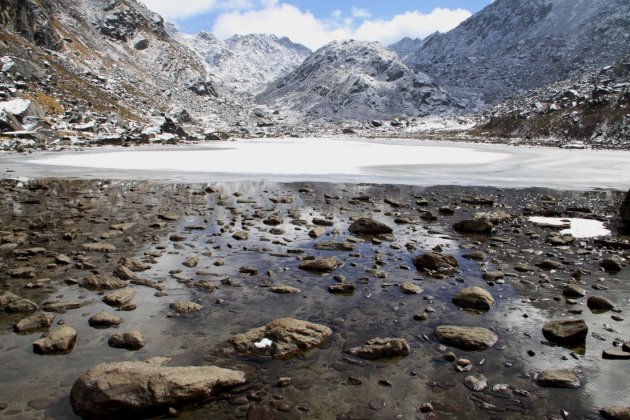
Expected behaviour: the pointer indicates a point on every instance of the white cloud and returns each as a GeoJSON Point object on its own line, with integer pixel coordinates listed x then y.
{"type": "Point", "coordinates": [284, 19]}
{"type": "Point", "coordinates": [178, 9]}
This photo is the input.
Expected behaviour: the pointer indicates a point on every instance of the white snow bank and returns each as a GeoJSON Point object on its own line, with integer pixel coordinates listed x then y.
{"type": "Point", "coordinates": [580, 228]}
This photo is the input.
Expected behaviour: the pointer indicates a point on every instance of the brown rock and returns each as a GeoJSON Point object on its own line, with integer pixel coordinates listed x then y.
{"type": "Point", "coordinates": [132, 340]}
{"type": "Point", "coordinates": [119, 297]}
{"type": "Point", "coordinates": [436, 262]}
{"type": "Point", "coordinates": [558, 378]}
{"type": "Point", "coordinates": [466, 338]}
{"type": "Point", "coordinates": [566, 332]}
{"type": "Point", "coordinates": [616, 412]}
{"type": "Point", "coordinates": [104, 319]}
{"type": "Point", "coordinates": [39, 321]}
{"type": "Point", "coordinates": [325, 265]}
{"type": "Point", "coordinates": [369, 226]}
{"type": "Point", "coordinates": [61, 340]}
{"type": "Point", "coordinates": [185, 307]}
{"type": "Point", "coordinates": [102, 282]}
{"type": "Point", "coordinates": [474, 298]}
{"type": "Point", "coordinates": [378, 348]}
{"type": "Point", "coordinates": [598, 303]}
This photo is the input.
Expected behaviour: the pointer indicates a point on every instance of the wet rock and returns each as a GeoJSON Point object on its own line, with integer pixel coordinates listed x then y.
{"type": "Point", "coordinates": [104, 319]}
{"type": "Point", "coordinates": [39, 321]}
{"type": "Point", "coordinates": [134, 264]}
{"type": "Point", "coordinates": [61, 340]}
{"type": "Point", "coordinates": [558, 378]}
{"type": "Point", "coordinates": [7, 297]}
{"type": "Point", "coordinates": [131, 340]}
{"type": "Point", "coordinates": [474, 298]}
{"type": "Point", "coordinates": [23, 273]}
{"type": "Point", "coordinates": [572, 290]}
{"type": "Point", "coordinates": [560, 240]}
{"type": "Point", "coordinates": [613, 264]}
{"type": "Point", "coordinates": [476, 383]}
{"type": "Point", "coordinates": [615, 355]}
{"type": "Point", "coordinates": [285, 290]}
{"type": "Point", "coordinates": [102, 282]}
{"type": "Point", "coordinates": [124, 273]}
{"type": "Point", "coordinates": [63, 306]}
{"type": "Point", "coordinates": [411, 288]}
{"type": "Point", "coordinates": [598, 303]}
{"type": "Point", "coordinates": [566, 332]}
{"type": "Point", "coordinates": [436, 262]}
{"type": "Point", "coordinates": [335, 246]}
{"type": "Point", "coordinates": [616, 412]}
{"type": "Point", "coordinates": [342, 288]}
{"type": "Point", "coordinates": [493, 275]}
{"type": "Point", "coordinates": [325, 265]}
{"type": "Point", "coordinates": [478, 224]}
{"type": "Point", "coordinates": [466, 338]}
{"type": "Point", "coordinates": [625, 212]}
{"type": "Point", "coordinates": [191, 262]}
{"type": "Point", "coordinates": [550, 264]}
{"type": "Point", "coordinates": [317, 221]}
{"type": "Point", "coordinates": [288, 337]}
{"type": "Point", "coordinates": [168, 215]}
{"type": "Point", "coordinates": [368, 226]}
{"type": "Point", "coordinates": [114, 389]}
{"type": "Point", "coordinates": [378, 348]}
{"type": "Point", "coordinates": [99, 247]}
{"type": "Point", "coordinates": [185, 307]}
{"type": "Point", "coordinates": [273, 220]}
{"type": "Point", "coordinates": [21, 306]}
{"type": "Point", "coordinates": [119, 297]}
{"type": "Point", "coordinates": [241, 235]}
{"type": "Point", "coordinates": [316, 232]}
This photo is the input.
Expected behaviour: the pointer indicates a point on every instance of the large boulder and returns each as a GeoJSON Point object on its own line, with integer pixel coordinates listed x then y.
{"type": "Point", "coordinates": [436, 263]}
{"type": "Point", "coordinates": [466, 338]}
{"type": "Point", "coordinates": [20, 108]}
{"type": "Point", "coordinates": [118, 389]}
{"type": "Point", "coordinates": [566, 332]}
{"type": "Point", "coordinates": [280, 339]}
{"type": "Point", "coordinates": [474, 298]}
{"type": "Point", "coordinates": [625, 212]}
{"type": "Point", "coordinates": [368, 226]}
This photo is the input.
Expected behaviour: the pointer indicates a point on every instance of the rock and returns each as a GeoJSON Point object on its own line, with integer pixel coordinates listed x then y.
{"type": "Point", "coordinates": [285, 290]}
{"type": "Point", "coordinates": [615, 355]}
{"type": "Point", "coordinates": [368, 226]}
{"type": "Point", "coordinates": [99, 247]}
{"type": "Point", "coordinates": [119, 389]}
{"type": "Point", "coordinates": [325, 265]}
{"type": "Point", "coordinates": [124, 273]}
{"type": "Point", "coordinates": [317, 221]}
{"type": "Point", "coordinates": [335, 246]}
{"type": "Point", "coordinates": [342, 288]}
{"type": "Point", "coordinates": [191, 262]}
{"type": "Point", "coordinates": [625, 212]}
{"type": "Point", "coordinates": [316, 232]}
{"type": "Point", "coordinates": [466, 338]}
{"type": "Point", "coordinates": [480, 225]}
{"type": "Point", "coordinates": [436, 262]}
{"type": "Point", "coordinates": [104, 319]}
{"type": "Point", "coordinates": [21, 306]}
{"type": "Point", "coordinates": [63, 306]}
{"type": "Point", "coordinates": [598, 303]}
{"type": "Point", "coordinates": [566, 332]}
{"type": "Point", "coordinates": [39, 321]}
{"type": "Point", "coordinates": [23, 273]}
{"type": "Point", "coordinates": [288, 337]}
{"type": "Point", "coordinates": [560, 240]}
{"type": "Point", "coordinates": [626, 346]}
{"type": "Point", "coordinates": [613, 264]}
{"type": "Point", "coordinates": [7, 297]}
{"type": "Point", "coordinates": [411, 288]}
{"type": "Point", "coordinates": [493, 275]}
{"type": "Point", "coordinates": [169, 216]}
{"type": "Point", "coordinates": [119, 297]}
{"type": "Point", "coordinates": [378, 348]}
{"type": "Point", "coordinates": [241, 235]}
{"type": "Point", "coordinates": [61, 340]}
{"type": "Point", "coordinates": [615, 412]}
{"type": "Point", "coordinates": [63, 259]}
{"type": "Point", "coordinates": [185, 307]}
{"type": "Point", "coordinates": [550, 264]}
{"type": "Point", "coordinates": [102, 282]}
{"type": "Point", "coordinates": [572, 290]}
{"type": "Point", "coordinates": [476, 383]}
{"type": "Point", "coordinates": [20, 108]}
{"type": "Point", "coordinates": [132, 340]}
{"type": "Point", "coordinates": [273, 220]}
{"type": "Point", "coordinates": [135, 264]}
{"type": "Point", "coordinates": [474, 298]}
{"type": "Point", "coordinates": [558, 378]}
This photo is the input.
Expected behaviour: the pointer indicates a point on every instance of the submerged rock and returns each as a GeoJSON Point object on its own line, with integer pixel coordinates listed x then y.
{"type": "Point", "coordinates": [102, 282]}
{"type": "Point", "coordinates": [466, 338]}
{"type": "Point", "coordinates": [285, 337]}
{"type": "Point", "coordinates": [185, 307]}
{"type": "Point", "coordinates": [113, 389]}
{"type": "Point", "coordinates": [378, 348]}
{"type": "Point", "coordinates": [558, 378]}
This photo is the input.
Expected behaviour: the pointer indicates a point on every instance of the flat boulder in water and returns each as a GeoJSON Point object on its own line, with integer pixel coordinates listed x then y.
{"type": "Point", "coordinates": [466, 338]}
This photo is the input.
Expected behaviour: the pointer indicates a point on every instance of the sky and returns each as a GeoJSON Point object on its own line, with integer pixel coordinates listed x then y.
{"type": "Point", "coordinates": [315, 23]}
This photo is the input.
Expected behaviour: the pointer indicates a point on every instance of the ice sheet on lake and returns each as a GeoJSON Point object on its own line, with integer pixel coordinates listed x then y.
{"type": "Point", "coordinates": [580, 228]}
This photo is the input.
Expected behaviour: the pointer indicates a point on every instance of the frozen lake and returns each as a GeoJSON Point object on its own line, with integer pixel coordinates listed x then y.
{"type": "Point", "coordinates": [333, 160]}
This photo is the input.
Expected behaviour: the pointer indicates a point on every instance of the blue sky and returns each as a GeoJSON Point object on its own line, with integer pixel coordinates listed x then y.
{"type": "Point", "coordinates": [315, 23]}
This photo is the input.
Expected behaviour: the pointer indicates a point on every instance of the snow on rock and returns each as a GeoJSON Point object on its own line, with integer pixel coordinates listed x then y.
{"type": "Point", "coordinates": [21, 108]}
{"type": "Point", "coordinates": [357, 80]}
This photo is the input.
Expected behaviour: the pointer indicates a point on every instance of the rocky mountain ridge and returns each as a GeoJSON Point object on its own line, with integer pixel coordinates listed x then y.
{"type": "Point", "coordinates": [357, 80]}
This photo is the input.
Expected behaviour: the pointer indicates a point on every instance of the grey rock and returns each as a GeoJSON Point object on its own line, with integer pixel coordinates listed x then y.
{"type": "Point", "coordinates": [566, 332]}
{"type": "Point", "coordinates": [285, 290]}
{"type": "Point", "coordinates": [476, 383]}
{"type": "Point", "coordinates": [613, 263]}
{"type": "Point", "coordinates": [436, 262]}
{"type": "Point", "coordinates": [572, 290]}
{"type": "Point", "coordinates": [558, 378]}
{"type": "Point", "coordinates": [378, 348]}
{"type": "Point", "coordinates": [599, 303]}
{"type": "Point", "coordinates": [411, 288]}
{"type": "Point", "coordinates": [21, 306]}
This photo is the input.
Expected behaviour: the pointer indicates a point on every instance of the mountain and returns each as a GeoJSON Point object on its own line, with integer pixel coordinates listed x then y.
{"type": "Point", "coordinates": [589, 111]}
{"type": "Point", "coordinates": [516, 45]}
{"type": "Point", "coordinates": [405, 47]}
{"type": "Point", "coordinates": [246, 63]}
{"type": "Point", "coordinates": [356, 80]}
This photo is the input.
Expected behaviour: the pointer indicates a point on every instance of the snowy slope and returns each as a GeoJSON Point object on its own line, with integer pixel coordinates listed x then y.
{"type": "Point", "coordinates": [356, 80]}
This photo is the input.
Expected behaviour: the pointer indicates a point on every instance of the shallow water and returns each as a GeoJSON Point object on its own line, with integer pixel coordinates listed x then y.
{"type": "Point", "coordinates": [409, 162]}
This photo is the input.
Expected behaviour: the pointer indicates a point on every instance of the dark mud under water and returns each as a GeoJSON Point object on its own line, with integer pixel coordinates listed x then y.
{"type": "Point", "coordinates": [40, 213]}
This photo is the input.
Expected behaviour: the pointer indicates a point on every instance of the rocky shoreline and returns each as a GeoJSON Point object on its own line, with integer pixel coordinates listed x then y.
{"type": "Point", "coordinates": [310, 300]}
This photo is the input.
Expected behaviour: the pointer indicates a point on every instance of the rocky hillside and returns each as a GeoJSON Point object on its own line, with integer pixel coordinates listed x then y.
{"type": "Point", "coordinates": [516, 45]}
{"type": "Point", "coordinates": [357, 80]}
{"type": "Point", "coordinates": [95, 70]}
{"type": "Point", "coordinates": [592, 111]}
{"type": "Point", "coordinates": [246, 63]}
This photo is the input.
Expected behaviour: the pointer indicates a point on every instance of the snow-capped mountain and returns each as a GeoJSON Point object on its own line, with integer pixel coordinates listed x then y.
{"type": "Point", "coordinates": [516, 45]}
{"type": "Point", "coordinates": [356, 80]}
{"type": "Point", "coordinates": [246, 63]}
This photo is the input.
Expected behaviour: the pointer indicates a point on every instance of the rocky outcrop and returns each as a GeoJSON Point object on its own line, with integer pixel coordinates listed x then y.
{"type": "Point", "coordinates": [280, 339]}
{"type": "Point", "coordinates": [30, 20]}
{"type": "Point", "coordinates": [126, 388]}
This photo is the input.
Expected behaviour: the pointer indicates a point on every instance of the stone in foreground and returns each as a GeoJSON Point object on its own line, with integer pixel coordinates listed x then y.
{"type": "Point", "coordinates": [61, 340]}
{"type": "Point", "coordinates": [378, 348]}
{"type": "Point", "coordinates": [284, 337]}
{"type": "Point", "coordinates": [131, 340]}
{"type": "Point", "coordinates": [558, 378]}
{"type": "Point", "coordinates": [466, 338]}
{"type": "Point", "coordinates": [474, 298]}
{"type": "Point", "coordinates": [615, 413]}
{"type": "Point", "coordinates": [566, 332]}
{"type": "Point", "coordinates": [436, 262]}
{"type": "Point", "coordinates": [41, 320]}
{"type": "Point", "coordinates": [113, 389]}
{"type": "Point", "coordinates": [368, 226]}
